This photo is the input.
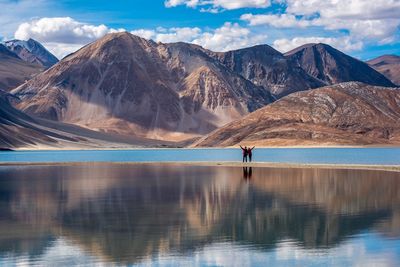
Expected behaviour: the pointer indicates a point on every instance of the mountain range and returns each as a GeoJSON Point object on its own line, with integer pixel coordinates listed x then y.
{"type": "Point", "coordinates": [124, 85]}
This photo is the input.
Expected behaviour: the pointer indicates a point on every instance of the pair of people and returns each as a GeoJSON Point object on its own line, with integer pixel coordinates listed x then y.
{"type": "Point", "coordinates": [247, 152]}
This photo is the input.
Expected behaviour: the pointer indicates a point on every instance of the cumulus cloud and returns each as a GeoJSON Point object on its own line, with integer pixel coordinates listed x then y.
{"type": "Point", "coordinates": [377, 20]}
{"type": "Point", "coordinates": [228, 37]}
{"type": "Point", "coordinates": [62, 35]}
{"type": "Point", "coordinates": [170, 35]}
{"type": "Point", "coordinates": [276, 20]}
{"type": "Point", "coordinates": [213, 5]}
{"type": "Point", "coordinates": [346, 9]}
{"type": "Point", "coordinates": [341, 43]}
{"type": "Point", "coordinates": [63, 30]}
{"type": "Point", "coordinates": [65, 35]}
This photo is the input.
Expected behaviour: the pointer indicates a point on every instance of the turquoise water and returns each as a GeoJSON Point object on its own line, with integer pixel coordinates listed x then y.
{"type": "Point", "coordinates": [133, 215]}
{"type": "Point", "coordinates": [381, 156]}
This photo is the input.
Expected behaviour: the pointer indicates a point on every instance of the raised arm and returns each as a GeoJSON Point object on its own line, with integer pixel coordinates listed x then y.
{"type": "Point", "coordinates": [241, 147]}
{"type": "Point", "coordinates": [253, 147]}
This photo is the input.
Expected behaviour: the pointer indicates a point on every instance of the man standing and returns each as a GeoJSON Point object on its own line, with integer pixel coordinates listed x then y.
{"type": "Point", "coordinates": [244, 150]}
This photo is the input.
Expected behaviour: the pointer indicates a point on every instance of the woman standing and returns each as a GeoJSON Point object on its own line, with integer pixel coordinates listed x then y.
{"type": "Point", "coordinates": [250, 153]}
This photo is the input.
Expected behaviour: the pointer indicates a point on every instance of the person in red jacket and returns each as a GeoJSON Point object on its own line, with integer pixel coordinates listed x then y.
{"type": "Point", "coordinates": [244, 150]}
{"type": "Point", "coordinates": [250, 153]}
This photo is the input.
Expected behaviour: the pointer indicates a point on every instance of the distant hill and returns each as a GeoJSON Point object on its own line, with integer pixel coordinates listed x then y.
{"type": "Point", "coordinates": [331, 66]}
{"type": "Point", "coordinates": [18, 129]}
{"type": "Point", "coordinates": [267, 67]}
{"type": "Point", "coordinates": [388, 65]}
{"type": "Point", "coordinates": [344, 114]}
{"type": "Point", "coordinates": [32, 51]}
{"type": "Point", "coordinates": [13, 70]}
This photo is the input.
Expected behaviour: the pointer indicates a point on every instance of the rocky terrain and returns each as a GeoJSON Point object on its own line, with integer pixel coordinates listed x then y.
{"type": "Point", "coordinates": [125, 84]}
{"type": "Point", "coordinates": [18, 130]}
{"type": "Point", "coordinates": [345, 114]}
{"type": "Point", "coordinates": [388, 65]}
{"type": "Point", "coordinates": [13, 70]}
{"type": "Point", "coordinates": [266, 67]}
{"type": "Point", "coordinates": [32, 51]}
{"type": "Point", "coordinates": [331, 66]}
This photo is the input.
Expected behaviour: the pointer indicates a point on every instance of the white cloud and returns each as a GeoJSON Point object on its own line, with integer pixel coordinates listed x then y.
{"type": "Point", "coordinates": [213, 5]}
{"type": "Point", "coordinates": [62, 30]}
{"type": "Point", "coordinates": [376, 20]}
{"type": "Point", "coordinates": [341, 43]}
{"type": "Point", "coordinates": [170, 35]}
{"type": "Point", "coordinates": [65, 35]}
{"type": "Point", "coordinates": [62, 35]}
{"type": "Point", "coordinates": [278, 21]}
{"type": "Point", "coordinates": [346, 9]}
{"type": "Point", "coordinates": [228, 37]}
{"type": "Point", "coordinates": [13, 12]}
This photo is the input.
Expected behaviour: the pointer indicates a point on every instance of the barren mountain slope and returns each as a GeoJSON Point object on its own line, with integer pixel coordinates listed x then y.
{"type": "Point", "coordinates": [33, 52]}
{"type": "Point", "coordinates": [346, 114]}
{"type": "Point", "coordinates": [388, 65]}
{"type": "Point", "coordinates": [13, 70]}
{"type": "Point", "coordinates": [267, 67]}
{"type": "Point", "coordinates": [18, 130]}
{"type": "Point", "coordinates": [331, 66]}
{"type": "Point", "coordinates": [126, 84]}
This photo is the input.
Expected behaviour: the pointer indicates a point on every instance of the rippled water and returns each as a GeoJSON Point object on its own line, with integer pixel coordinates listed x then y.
{"type": "Point", "coordinates": [205, 216]}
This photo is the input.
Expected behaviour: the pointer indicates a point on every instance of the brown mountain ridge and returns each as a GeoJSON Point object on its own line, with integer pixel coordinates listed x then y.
{"type": "Point", "coordinates": [344, 114]}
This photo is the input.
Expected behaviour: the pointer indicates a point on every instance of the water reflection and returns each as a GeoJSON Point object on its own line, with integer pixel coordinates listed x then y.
{"type": "Point", "coordinates": [134, 214]}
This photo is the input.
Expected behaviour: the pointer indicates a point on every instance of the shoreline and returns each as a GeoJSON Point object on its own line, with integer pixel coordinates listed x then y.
{"type": "Point", "coordinates": [392, 168]}
{"type": "Point", "coordinates": [34, 149]}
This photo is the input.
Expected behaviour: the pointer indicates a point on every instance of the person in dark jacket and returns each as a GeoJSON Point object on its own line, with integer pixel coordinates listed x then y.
{"type": "Point", "coordinates": [250, 152]}
{"type": "Point", "coordinates": [244, 151]}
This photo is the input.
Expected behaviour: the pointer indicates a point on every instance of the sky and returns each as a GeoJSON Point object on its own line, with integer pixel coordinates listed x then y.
{"type": "Point", "coordinates": [361, 28]}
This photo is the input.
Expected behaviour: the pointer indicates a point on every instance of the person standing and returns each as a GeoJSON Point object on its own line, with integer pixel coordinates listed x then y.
{"type": "Point", "coordinates": [245, 153]}
{"type": "Point", "coordinates": [250, 152]}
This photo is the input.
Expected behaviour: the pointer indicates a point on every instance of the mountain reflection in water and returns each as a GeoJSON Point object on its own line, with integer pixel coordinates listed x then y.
{"type": "Point", "coordinates": [127, 214]}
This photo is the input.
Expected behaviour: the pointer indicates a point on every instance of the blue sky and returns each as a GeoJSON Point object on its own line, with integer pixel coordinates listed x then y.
{"type": "Point", "coordinates": [361, 28]}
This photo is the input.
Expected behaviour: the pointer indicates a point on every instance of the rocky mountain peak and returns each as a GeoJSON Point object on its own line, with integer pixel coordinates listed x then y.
{"type": "Point", "coordinates": [32, 51]}
{"type": "Point", "coordinates": [332, 66]}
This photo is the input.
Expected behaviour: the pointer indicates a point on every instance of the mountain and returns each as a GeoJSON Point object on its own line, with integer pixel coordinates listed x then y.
{"type": "Point", "coordinates": [266, 67]}
{"type": "Point", "coordinates": [125, 84]}
{"type": "Point", "coordinates": [13, 70]}
{"type": "Point", "coordinates": [32, 51]}
{"type": "Point", "coordinates": [349, 113]}
{"type": "Point", "coordinates": [331, 66]}
{"type": "Point", "coordinates": [388, 65]}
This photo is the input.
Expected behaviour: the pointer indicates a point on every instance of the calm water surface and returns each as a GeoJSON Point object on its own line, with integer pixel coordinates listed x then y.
{"type": "Point", "coordinates": [380, 156]}
{"type": "Point", "coordinates": [198, 216]}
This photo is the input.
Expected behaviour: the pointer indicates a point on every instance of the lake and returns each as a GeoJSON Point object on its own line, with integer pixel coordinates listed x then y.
{"type": "Point", "coordinates": [377, 156]}
{"type": "Point", "coordinates": [167, 215]}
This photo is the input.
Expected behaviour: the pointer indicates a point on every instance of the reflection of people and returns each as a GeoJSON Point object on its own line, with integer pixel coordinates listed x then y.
{"type": "Point", "coordinates": [247, 172]}
{"type": "Point", "coordinates": [245, 152]}
{"type": "Point", "coordinates": [250, 152]}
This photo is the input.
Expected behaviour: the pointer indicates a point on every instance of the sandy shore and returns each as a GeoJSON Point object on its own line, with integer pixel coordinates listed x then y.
{"type": "Point", "coordinates": [393, 168]}
{"type": "Point", "coordinates": [127, 147]}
